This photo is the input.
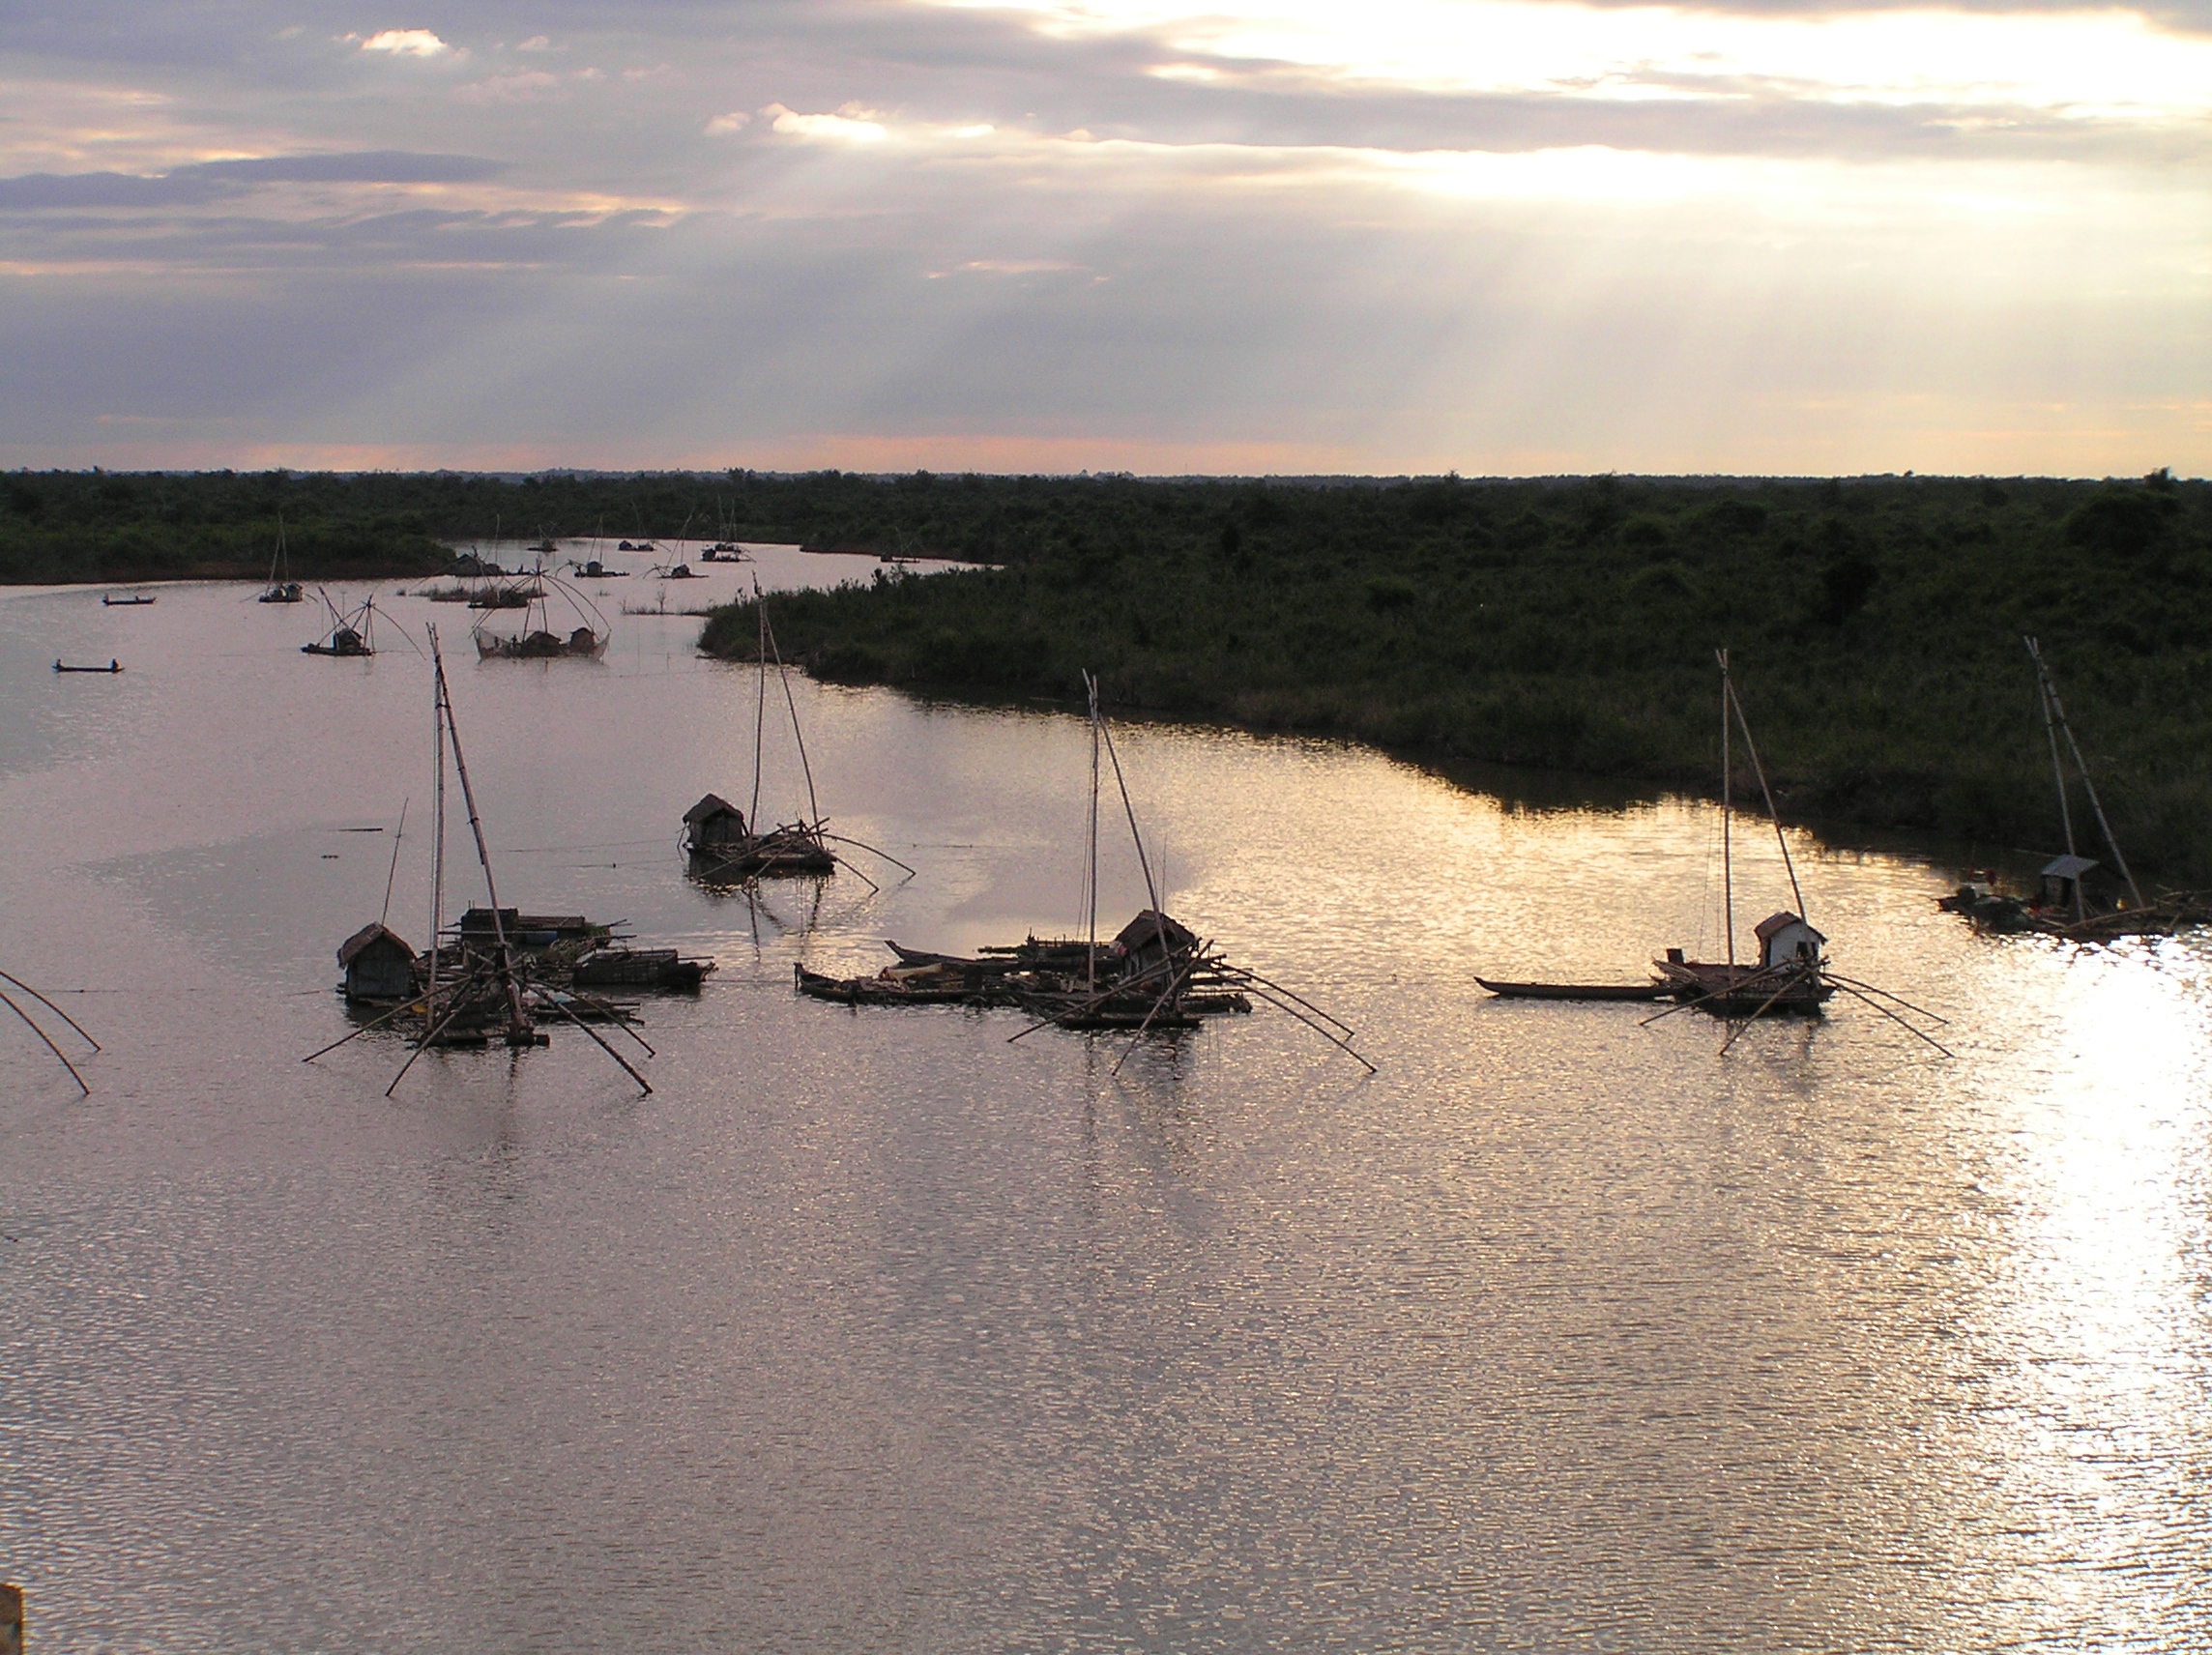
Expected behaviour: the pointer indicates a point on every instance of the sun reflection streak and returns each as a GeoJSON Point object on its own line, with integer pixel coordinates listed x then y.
{"type": "Point", "coordinates": [2096, 1411]}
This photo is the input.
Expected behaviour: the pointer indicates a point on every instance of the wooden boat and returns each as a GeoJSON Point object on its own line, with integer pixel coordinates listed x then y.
{"type": "Point", "coordinates": [539, 641]}
{"type": "Point", "coordinates": [111, 667]}
{"type": "Point", "coordinates": [352, 633]}
{"type": "Point", "coordinates": [110, 602]}
{"type": "Point", "coordinates": [2065, 903]}
{"type": "Point", "coordinates": [1791, 973]}
{"type": "Point", "coordinates": [726, 844]}
{"type": "Point", "coordinates": [640, 967]}
{"type": "Point", "coordinates": [1578, 991]}
{"type": "Point", "coordinates": [878, 990]}
{"type": "Point", "coordinates": [282, 588]}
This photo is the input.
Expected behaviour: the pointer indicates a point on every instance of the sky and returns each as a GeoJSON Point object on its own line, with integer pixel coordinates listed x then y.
{"type": "Point", "coordinates": [1497, 237]}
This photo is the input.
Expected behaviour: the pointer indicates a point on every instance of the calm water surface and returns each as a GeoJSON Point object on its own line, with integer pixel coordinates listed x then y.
{"type": "Point", "coordinates": [874, 1332]}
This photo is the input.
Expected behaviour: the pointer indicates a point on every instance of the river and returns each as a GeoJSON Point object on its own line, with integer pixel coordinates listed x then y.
{"type": "Point", "coordinates": [873, 1331]}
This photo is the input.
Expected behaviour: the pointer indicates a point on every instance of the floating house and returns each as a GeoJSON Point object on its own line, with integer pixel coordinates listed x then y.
{"type": "Point", "coordinates": [1786, 940]}
{"type": "Point", "coordinates": [715, 825]}
{"type": "Point", "coordinates": [2062, 877]}
{"type": "Point", "coordinates": [378, 964]}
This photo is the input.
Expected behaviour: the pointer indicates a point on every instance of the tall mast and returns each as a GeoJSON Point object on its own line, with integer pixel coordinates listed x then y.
{"type": "Point", "coordinates": [798, 735]}
{"type": "Point", "coordinates": [1727, 864]}
{"type": "Point", "coordinates": [760, 707]}
{"type": "Point", "coordinates": [1751, 750]}
{"type": "Point", "coordinates": [2055, 709]}
{"type": "Point", "coordinates": [519, 1021]}
{"type": "Point", "coordinates": [1091, 853]}
{"type": "Point", "coordinates": [438, 807]}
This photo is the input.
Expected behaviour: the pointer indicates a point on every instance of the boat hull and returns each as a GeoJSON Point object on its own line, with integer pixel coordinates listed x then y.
{"type": "Point", "coordinates": [1578, 991]}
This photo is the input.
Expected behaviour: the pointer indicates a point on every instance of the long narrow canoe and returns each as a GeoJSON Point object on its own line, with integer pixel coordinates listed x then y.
{"type": "Point", "coordinates": [1576, 991]}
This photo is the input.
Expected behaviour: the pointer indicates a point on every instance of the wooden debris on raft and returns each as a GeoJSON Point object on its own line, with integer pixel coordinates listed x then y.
{"type": "Point", "coordinates": [1155, 976]}
{"type": "Point", "coordinates": [32, 1023]}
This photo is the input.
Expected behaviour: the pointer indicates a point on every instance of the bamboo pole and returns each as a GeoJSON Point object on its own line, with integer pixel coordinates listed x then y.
{"type": "Point", "coordinates": [31, 1025]}
{"type": "Point", "coordinates": [1899, 1020]}
{"type": "Point", "coordinates": [645, 1087]}
{"type": "Point", "coordinates": [517, 1020]}
{"type": "Point", "coordinates": [52, 1007]}
{"type": "Point", "coordinates": [1774, 816]}
{"type": "Point", "coordinates": [1728, 864]}
{"type": "Point", "coordinates": [2050, 689]}
{"type": "Point", "coordinates": [1741, 1024]}
{"type": "Point", "coordinates": [392, 873]}
{"type": "Point", "coordinates": [813, 808]}
{"type": "Point", "coordinates": [760, 703]}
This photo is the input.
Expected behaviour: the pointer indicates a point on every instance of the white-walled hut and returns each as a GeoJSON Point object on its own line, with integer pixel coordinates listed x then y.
{"type": "Point", "coordinates": [1785, 940]}
{"type": "Point", "coordinates": [378, 963]}
{"type": "Point", "coordinates": [714, 824]}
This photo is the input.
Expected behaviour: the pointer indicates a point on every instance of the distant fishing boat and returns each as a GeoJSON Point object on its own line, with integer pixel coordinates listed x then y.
{"type": "Point", "coordinates": [725, 843]}
{"type": "Point", "coordinates": [537, 641]}
{"type": "Point", "coordinates": [111, 667]}
{"type": "Point", "coordinates": [282, 588]}
{"type": "Point", "coordinates": [352, 633]}
{"type": "Point", "coordinates": [111, 602]}
{"type": "Point", "coordinates": [2062, 904]}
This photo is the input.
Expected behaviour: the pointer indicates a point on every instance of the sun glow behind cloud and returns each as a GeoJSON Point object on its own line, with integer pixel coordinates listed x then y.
{"type": "Point", "coordinates": [407, 42]}
{"type": "Point", "coordinates": [2083, 64]}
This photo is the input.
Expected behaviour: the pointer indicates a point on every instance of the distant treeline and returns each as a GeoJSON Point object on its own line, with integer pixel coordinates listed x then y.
{"type": "Point", "coordinates": [1875, 622]}
{"type": "Point", "coordinates": [1875, 625]}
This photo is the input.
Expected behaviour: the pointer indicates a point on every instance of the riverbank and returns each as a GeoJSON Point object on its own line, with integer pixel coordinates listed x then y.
{"type": "Point", "coordinates": [1874, 626]}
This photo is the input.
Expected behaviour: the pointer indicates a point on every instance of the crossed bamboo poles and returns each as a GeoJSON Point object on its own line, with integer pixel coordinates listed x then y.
{"type": "Point", "coordinates": [32, 1023]}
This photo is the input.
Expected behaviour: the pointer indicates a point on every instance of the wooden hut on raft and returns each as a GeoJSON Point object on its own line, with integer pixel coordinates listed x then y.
{"type": "Point", "coordinates": [715, 825]}
{"type": "Point", "coordinates": [378, 964]}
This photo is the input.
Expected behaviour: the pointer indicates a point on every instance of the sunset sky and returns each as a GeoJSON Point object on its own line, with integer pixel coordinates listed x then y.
{"type": "Point", "coordinates": [1257, 236]}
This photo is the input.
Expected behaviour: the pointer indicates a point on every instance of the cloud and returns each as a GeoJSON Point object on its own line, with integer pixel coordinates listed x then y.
{"type": "Point", "coordinates": [209, 181]}
{"type": "Point", "coordinates": [535, 44]}
{"type": "Point", "coordinates": [722, 126]}
{"type": "Point", "coordinates": [406, 42]}
{"type": "Point", "coordinates": [520, 87]}
{"type": "Point", "coordinates": [850, 125]}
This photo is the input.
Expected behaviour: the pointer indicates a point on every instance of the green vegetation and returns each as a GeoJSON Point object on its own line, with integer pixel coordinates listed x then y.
{"type": "Point", "coordinates": [1875, 625]}
{"type": "Point", "coordinates": [1875, 622]}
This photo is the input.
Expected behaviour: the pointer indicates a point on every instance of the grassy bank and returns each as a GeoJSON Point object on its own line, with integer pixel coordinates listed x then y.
{"type": "Point", "coordinates": [1875, 625]}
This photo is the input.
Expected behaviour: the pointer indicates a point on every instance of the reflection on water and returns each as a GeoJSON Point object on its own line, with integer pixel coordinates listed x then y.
{"type": "Point", "coordinates": [871, 1330]}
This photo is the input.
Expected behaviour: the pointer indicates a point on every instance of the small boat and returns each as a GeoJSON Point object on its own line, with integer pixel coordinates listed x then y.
{"type": "Point", "coordinates": [640, 967]}
{"type": "Point", "coordinates": [1578, 991]}
{"type": "Point", "coordinates": [352, 633]}
{"type": "Point", "coordinates": [539, 641]}
{"type": "Point", "coordinates": [2065, 903]}
{"type": "Point", "coordinates": [722, 844]}
{"type": "Point", "coordinates": [546, 546]}
{"type": "Point", "coordinates": [596, 571]}
{"type": "Point", "coordinates": [111, 667]}
{"type": "Point", "coordinates": [110, 602]}
{"type": "Point", "coordinates": [882, 990]}
{"type": "Point", "coordinates": [282, 588]}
